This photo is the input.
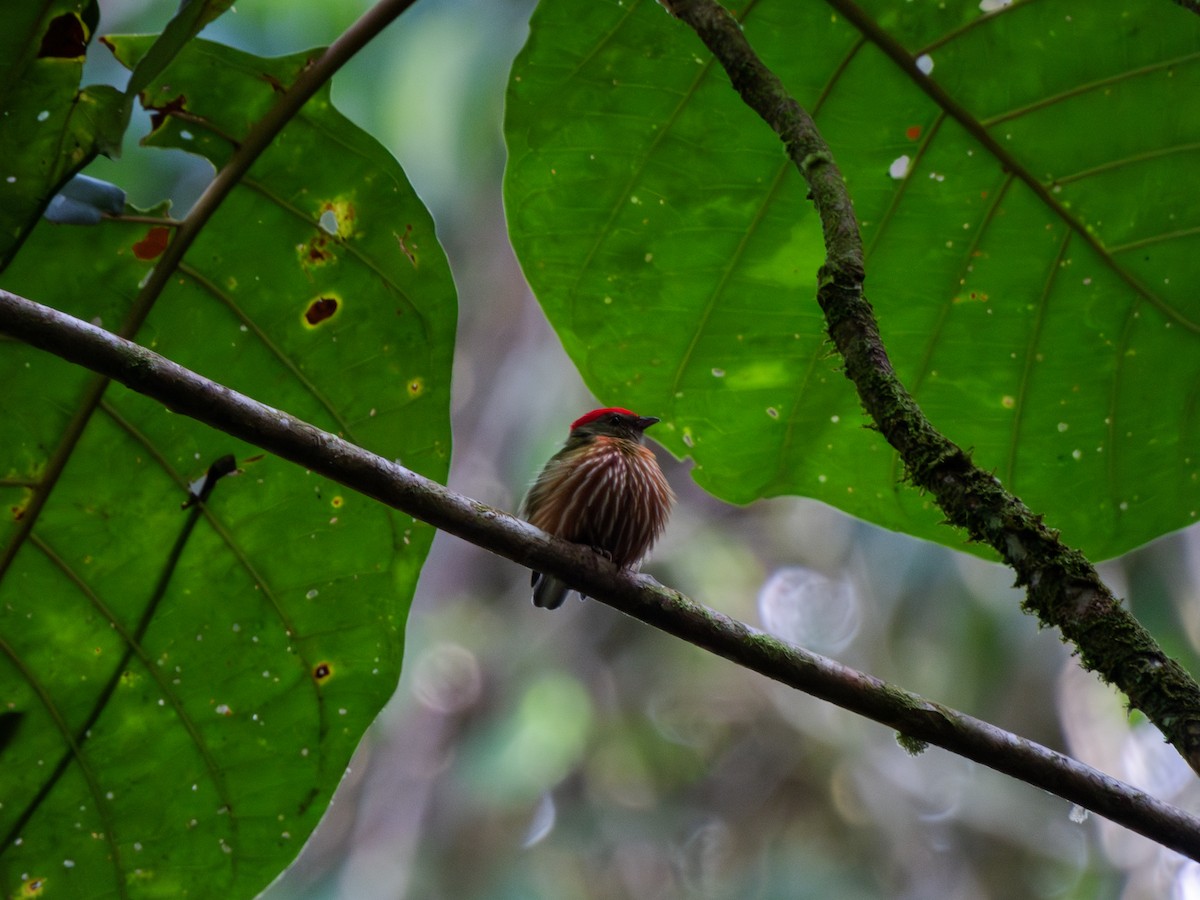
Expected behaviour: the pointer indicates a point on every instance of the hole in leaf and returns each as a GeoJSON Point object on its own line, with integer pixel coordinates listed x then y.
{"type": "Point", "coordinates": [322, 672]}
{"type": "Point", "coordinates": [65, 38]}
{"type": "Point", "coordinates": [336, 218]}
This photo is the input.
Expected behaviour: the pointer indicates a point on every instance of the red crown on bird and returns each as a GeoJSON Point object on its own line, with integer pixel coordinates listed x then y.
{"type": "Point", "coordinates": [595, 414]}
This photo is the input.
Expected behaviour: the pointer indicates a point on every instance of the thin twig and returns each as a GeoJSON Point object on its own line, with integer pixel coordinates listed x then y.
{"type": "Point", "coordinates": [1062, 587]}
{"type": "Point", "coordinates": [918, 719]}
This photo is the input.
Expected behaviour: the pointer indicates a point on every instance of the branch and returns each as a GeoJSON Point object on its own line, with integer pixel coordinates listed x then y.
{"type": "Point", "coordinates": [918, 719]}
{"type": "Point", "coordinates": [1062, 588]}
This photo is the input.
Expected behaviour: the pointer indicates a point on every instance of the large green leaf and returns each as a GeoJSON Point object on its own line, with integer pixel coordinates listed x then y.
{"type": "Point", "coordinates": [1026, 184]}
{"type": "Point", "coordinates": [193, 755]}
{"type": "Point", "coordinates": [49, 127]}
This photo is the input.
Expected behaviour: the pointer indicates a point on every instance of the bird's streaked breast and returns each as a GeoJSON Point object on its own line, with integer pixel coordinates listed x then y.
{"type": "Point", "coordinates": [611, 495]}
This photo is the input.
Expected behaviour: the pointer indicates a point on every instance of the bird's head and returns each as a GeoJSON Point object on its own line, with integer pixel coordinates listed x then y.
{"type": "Point", "coordinates": [611, 422]}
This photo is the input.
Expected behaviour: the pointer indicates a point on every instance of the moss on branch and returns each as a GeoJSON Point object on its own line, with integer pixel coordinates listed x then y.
{"type": "Point", "coordinates": [1062, 587]}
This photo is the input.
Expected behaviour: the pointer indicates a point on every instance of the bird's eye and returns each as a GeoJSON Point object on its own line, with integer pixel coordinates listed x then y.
{"type": "Point", "coordinates": [615, 418]}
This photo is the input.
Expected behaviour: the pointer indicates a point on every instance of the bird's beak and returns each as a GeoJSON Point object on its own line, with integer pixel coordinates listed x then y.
{"type": "Point", "coordinates": [645, 422]}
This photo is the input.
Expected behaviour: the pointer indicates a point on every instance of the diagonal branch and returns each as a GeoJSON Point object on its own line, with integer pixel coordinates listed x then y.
{"type": "Point", "coordinates": [918, 719]}
{"type": "Point", "coordinates": [1063, 588]}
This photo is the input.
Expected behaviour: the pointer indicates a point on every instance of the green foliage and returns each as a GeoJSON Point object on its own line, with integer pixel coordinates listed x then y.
{"type": "Point", "coordinates": [180, 690]}
{"type": "Point", "coordinates": [195, 752]}
{"type": "Point", "coordinates": [1031, 248]}
{"type": "Point", "coordinates": [51, 127]}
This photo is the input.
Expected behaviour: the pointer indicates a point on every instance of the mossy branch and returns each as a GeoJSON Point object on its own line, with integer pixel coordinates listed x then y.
{"type": "Point", "coordinates": [1063, 588]}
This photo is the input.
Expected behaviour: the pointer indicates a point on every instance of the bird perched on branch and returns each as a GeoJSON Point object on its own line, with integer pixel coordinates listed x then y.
{"type": "Point", "coordinates": [603, 489]}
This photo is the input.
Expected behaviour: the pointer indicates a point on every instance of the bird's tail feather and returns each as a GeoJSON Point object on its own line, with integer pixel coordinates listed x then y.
{"type": "Point", "coordinates": [548, 591]}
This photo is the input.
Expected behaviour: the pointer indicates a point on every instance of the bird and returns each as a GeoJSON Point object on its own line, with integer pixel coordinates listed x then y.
{"type": "Point", "coordinates": [604, 489]}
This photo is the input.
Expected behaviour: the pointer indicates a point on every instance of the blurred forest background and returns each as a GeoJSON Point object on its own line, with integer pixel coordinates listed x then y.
{"type": "Point", "coordinates": [582, 754]}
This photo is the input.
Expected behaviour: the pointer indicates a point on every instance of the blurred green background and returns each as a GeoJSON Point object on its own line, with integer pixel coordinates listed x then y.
{"type": "Point", "coordinates": [583, 755]}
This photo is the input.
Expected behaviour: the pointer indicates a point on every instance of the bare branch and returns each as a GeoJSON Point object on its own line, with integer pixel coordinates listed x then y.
{"type": "Point", "coordinates": [919, 720]}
